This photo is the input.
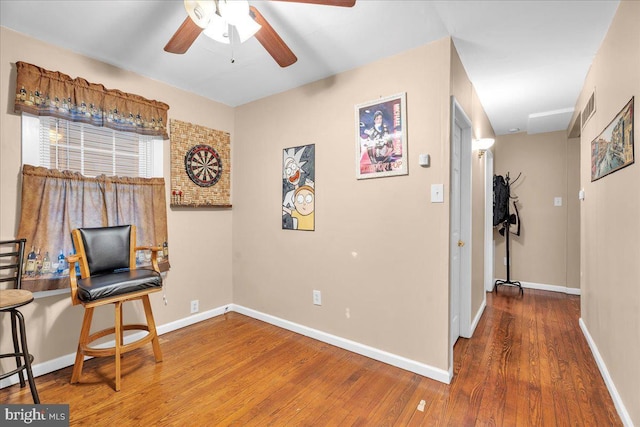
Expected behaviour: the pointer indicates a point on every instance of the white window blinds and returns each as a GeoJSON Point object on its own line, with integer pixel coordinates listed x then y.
{"type": "Point", "coordinates": [93, 151]}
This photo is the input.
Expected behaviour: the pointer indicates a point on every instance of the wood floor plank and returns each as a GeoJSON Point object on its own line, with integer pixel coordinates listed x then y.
{"type": "Point", "coordinates": [529, 403]}
{"type": "Point", "coordinates": [527, 364]}
{"type": "Point", "coordinates": [566, 359]}
{"type": "Point", "coordinates": [495, 397]}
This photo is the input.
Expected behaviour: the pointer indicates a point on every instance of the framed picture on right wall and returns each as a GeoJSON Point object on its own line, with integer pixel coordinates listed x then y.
{"type": "Point", "coordinates": [612, 150]}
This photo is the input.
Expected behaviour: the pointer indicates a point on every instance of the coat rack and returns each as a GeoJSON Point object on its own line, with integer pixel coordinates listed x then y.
{"type": "Point", "coordinates": [507, 224]}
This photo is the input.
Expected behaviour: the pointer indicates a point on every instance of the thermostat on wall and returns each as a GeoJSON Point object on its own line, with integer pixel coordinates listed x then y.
{"type": "Point", "coordinates": [423, 160]}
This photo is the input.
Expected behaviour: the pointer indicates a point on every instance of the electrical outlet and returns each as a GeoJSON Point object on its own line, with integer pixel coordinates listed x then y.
{"type": "Point", "coordinates": [194, 306]}
{"type": "Point", "coordinates": [317, 298]}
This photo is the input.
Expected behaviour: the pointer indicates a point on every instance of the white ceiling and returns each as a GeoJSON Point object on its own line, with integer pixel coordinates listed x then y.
{"type": "Point", "coordinates": [525, 58]}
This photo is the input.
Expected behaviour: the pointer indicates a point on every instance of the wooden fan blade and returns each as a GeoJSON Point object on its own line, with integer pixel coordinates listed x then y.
{"type": "Point", "coordinates": [271, 41]}
{"type": "Point", "coordinates": [184, 37]}
{"type": "Point", "coordinates": [342, 3]}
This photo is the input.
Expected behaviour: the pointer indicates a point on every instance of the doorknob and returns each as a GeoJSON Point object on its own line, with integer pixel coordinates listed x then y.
{"type": "Point", "coordinates": [460, 243]}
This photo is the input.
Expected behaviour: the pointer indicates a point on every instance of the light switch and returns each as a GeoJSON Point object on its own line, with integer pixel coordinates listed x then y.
{"type": "Point", "coordinates": [557, 201]}
{"type": "Point", "coordinates": [437, 193]}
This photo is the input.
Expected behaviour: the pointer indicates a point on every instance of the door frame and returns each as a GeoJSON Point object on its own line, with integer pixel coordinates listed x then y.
{"type": "Point", "coordinates": [455, 233]}
{"type": "Point", "coordinates": [460, 118]}
{"type": "Point", "coordinates": [489, 242]}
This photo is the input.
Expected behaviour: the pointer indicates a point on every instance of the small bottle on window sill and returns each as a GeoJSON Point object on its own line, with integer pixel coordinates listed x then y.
{"type": "Point", "coordinates": [61, 262]}
{"type": "Point", "coordinates": [38, 262]}
{"type": "Point", "coordinates": [46, 263]}
{"type": "Point", "coordinates": [31, 262]}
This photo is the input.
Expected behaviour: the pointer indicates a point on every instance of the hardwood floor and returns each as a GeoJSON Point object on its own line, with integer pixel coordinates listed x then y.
{"type": "Point", "coordinates": [528, 364]}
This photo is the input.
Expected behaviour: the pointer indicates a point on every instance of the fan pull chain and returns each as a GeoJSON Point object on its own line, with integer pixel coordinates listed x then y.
{"type": "Point", "coordinates": [233, 59]}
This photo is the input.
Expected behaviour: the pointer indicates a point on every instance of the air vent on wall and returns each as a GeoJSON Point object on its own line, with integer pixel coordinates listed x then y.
{"type": "Point", "coordinates": [589, 109]}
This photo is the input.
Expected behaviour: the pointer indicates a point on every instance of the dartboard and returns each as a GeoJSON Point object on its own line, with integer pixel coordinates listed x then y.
{"type": "Point", "coordinates": [203, 165]}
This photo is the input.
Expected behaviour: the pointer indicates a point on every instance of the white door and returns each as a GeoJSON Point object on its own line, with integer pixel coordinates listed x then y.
{"type": "Point", "coordinates": [455, 234]}
{"type": "Point", "coordinates": [460, 228]}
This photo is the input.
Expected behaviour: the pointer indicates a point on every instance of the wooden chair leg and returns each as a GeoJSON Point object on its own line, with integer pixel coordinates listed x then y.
{"type": "Point", "coordinates": [152, 328]}
{"type": "Point", "coordinates": [121, 304]}
{"type": "Point", "coordinates": [82, 342]}
{"type": "Point", "coordinates": [119, 334]}
{"type": "Point", "coordinates": [118, 331]}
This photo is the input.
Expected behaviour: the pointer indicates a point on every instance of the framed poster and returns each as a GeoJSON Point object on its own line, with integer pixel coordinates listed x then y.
{"type": "Point", "coordinates": [612, 150]}
{"type": "Point", "coordinates": [298, 188]}
{"type": "Point", "coordinates": [381, 137]}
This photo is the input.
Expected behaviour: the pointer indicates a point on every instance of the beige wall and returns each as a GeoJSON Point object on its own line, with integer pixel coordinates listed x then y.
{"type": "Point", "coordinates": [546, 252]}
{"type": "Point", "coordinates": [610, 244]}
{"type": "Point", "coordinates": [53, 325]}
{"type": "Point", "coordinates": [380, 248]}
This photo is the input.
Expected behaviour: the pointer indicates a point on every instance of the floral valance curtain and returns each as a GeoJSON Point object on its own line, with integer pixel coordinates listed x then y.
{"type": "Point", "coordinates": [55, 202]}
{"type": "Point", "coordinates": [50, 93]}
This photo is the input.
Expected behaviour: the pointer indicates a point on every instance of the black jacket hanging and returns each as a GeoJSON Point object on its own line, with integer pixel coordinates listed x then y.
{"type": "Point", "coordinates": [500, 200]}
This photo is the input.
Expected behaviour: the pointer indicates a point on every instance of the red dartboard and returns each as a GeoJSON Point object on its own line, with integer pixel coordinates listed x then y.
{"type": "Point", "coordinates": [203, 165]}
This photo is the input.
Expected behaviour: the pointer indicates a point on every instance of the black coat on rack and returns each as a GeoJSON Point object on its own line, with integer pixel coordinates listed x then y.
{"type": "Point", "coordinates": [501, 200]}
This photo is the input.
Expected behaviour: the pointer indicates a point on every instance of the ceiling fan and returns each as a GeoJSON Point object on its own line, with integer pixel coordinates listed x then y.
{"type": "Point", "coordinates": [214, 18]}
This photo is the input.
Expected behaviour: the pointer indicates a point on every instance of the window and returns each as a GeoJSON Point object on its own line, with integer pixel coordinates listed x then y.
{"type": "Point", "coordinates": [79, 147]}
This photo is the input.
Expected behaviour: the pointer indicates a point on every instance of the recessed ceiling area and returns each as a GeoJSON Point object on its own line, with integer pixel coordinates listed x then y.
{"type": "Point", "coordinates": [540, 122]}
{"type": "Point", "coordinates": [527, 59]}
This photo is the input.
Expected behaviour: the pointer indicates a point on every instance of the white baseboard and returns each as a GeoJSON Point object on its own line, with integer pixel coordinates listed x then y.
{"type": "Point", "coordinates": [476, 319]}
{"type": "Point", "coordinates": [355, 347]}
{"type": "Point", "coordinates": [376, 354]}
{"type": "Point", "coordinates": [193, 319]}
{"type": "Point", "coordinates": [551, 288]}
{"type": "Point", "coordinates": [617, 401]}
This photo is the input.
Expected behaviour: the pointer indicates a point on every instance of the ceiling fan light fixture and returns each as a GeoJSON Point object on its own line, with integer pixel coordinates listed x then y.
{"type": "Point", "coordinates": [231, 13]}
{"type": "Point", "coordinates": [218, 29]}
{"type": "Point", "coordinates": [247, 28]}
{"type": "Point", "coordinates": [200, 11]}
{"type": "Point", "coordinates": [234, 11]}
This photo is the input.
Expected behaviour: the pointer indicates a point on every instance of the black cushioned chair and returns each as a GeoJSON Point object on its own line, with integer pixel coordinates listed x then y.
{"type": "Point", "coordinates": [11, 262]}
{"type": "Point", "coordinates": [107, 258]}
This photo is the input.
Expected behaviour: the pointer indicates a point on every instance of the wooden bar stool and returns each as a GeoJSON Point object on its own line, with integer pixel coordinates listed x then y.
{"type": "Point", "coordinates": [107, 258]}
{"type": "Point", "coordinates": [11, 262]}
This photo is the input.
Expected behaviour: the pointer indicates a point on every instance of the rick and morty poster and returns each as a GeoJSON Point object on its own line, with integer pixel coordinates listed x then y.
{"type": "Point", "coordinates": [298, 188]}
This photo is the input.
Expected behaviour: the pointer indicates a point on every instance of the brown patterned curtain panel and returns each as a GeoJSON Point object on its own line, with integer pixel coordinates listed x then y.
{"type": "Point", "coordinates": [50, 93]}
{"type": "Point", "coordinates": [55, 202]}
